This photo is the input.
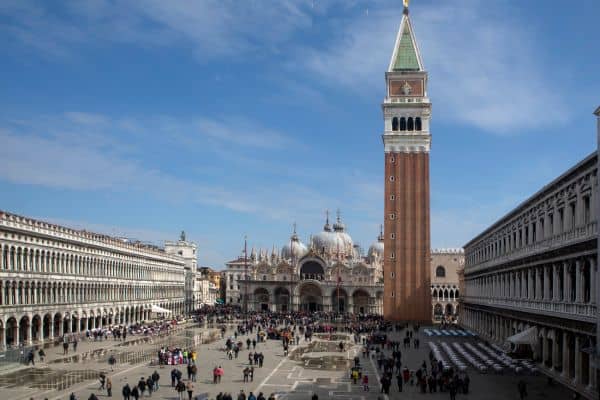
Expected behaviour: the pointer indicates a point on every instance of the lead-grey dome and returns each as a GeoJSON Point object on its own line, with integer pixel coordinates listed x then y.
{"type": "Point", "coordinates": [295, 248]}
{"type": "Point", "coordinates": [376, 249]}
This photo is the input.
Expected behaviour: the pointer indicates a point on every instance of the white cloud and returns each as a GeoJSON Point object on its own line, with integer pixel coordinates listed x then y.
{"type": "Point", "coordinates": [41, 153]}
{"type": "Point", "coordinates": [243, 132]}
{"type": "Point", "coordinates": [211, 28]}
{"type": "Point", "coordinates": [484, 68]}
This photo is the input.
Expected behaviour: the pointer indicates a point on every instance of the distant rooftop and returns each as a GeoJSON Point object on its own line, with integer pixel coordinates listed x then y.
{"type": "Point", "coordinates": [457, 250]}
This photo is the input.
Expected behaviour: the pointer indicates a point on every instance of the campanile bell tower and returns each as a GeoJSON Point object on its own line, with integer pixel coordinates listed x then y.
{"type": "Point", "coordinates": [406, 141]}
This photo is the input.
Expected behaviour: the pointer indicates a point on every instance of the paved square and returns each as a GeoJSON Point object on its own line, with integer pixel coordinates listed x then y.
{"type": "Point", "coordinates": [294, 377]}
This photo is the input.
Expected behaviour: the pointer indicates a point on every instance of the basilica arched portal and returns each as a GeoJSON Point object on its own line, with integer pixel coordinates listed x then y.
{"type": "Point", "coordinates": [360, 300]}
{"type": "Point", "coordinates": [261, 297]}
{"type": "Point", "coordinates": [311, 297]}
{"type": "Point", "coordinates": [339, 300]}
{"type": "Point", "coordinates": [282, 299]}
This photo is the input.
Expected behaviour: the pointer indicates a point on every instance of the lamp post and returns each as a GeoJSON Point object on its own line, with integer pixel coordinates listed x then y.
{"type": "Point", "coordinates": [597, 283]}
{"type": "Point", "coordinates": [245, 275]}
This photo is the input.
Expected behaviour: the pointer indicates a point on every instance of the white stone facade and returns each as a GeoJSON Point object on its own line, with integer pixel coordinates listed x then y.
{"type": "Point", "coordinates": [445, 293]}
{"type": "Point", "coordinates": [205, 292]}
{"type": "Point", "coordinates": [186, 250]}
{"type": "Point", "coordinates": [56, 280]}
{"type": "Point", "coordinates": [536, 267]}
{"type": "Point", "coordinates": [328, 275]}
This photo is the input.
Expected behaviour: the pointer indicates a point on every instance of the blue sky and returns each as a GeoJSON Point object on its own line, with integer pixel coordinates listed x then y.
{"type": "Point", "coordinates": [227, 118]}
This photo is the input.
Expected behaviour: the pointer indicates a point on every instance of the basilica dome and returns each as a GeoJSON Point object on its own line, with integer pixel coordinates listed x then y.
{"type": "Point", "coordinates": [334, 241]}
{"type": "Point", "coordinates": [295, 248]}
{"type": "Point", "coordinates": [326, 240]}
{"type": "Point", "coordinates": [376, 249]}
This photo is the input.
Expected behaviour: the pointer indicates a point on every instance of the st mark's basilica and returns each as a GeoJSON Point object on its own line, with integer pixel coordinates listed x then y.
{"type": "Point", "coordinates": [328, 274]}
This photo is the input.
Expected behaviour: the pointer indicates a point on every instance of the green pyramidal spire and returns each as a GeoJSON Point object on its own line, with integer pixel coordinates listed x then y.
{"type": "Point", "coordinates": [406, 55]}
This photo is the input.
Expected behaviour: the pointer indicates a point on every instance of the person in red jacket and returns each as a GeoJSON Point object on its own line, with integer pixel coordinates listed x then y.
{"type": "Point", "coordinates": [365, 382]}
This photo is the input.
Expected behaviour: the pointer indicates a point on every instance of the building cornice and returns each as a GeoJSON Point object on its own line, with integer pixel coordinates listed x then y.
{"type": "Point", "coordinates": [406, 143]}
{"type": "Point", "coordinates": [590, 161]}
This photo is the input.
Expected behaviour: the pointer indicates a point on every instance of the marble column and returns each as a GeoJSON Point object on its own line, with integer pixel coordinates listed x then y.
{"type": "Point", "coordinates": [547, 274]}
{"type": "Point", "coordinates": [566, 351]}
{"type": "Point", "coordinates": [60, 327]}
{"type": "Point", "coordinates": [544, 348]}
{"type": "Point", "coordinates": [566, 280]}
{"type": "Point", "coordinates": [539, 295]}
{"type": "Point", "coordinates": [577, 377]}
{"type": "Point", "coordinates": [592, 280]}
{"type": "Point", "coordinates": [28, 339]}
{"type": "Point", "coordinates": [578, 279]}
{"type": "Point", "coordinates": [555, 354]}
{"type": "Point", "coordinates": [592, 386]}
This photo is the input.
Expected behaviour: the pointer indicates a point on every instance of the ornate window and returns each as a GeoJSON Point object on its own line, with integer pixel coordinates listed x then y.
{"type": "Point", "coordinates": [410, 124]}
{"type": "Point", "coordinates": [395, 123]}
{"type": "Point", "coordinates": [402, 124]}
{"type": "Point", "coordinates": [440, 272]}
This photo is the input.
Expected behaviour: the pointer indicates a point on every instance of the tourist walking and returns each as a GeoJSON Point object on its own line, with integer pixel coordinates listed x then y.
{"type": "Point", "coordinates": [155, 378]}
{"type": "Point", "coordinates": [108, 387]}
{"type": "Point", "coordinates": [180, 388]}
{"type": "Point", "coordinates": [150, 385]}
{"type": "Point", "coordinates": [190, 389]}
{"type": "Point", "coordinates": [126, 391]}
{"type": "Point", "coordinates": [452, 391]}
{"type": "Point", "coordinates": [522, 387]}
{"type": "Point", "coordinates": [112, 361]}
{"type": "Point", "coordinates": [135, 393]}
{"type": "Point", "coordinates": [142, 386]}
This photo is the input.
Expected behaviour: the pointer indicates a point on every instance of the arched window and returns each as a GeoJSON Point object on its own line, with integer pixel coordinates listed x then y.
{"type": "Point", "coordinates": [440, 272]}
{"type": "Point", "coordinates": [395, 123]}
{"type": "Point", "coordinates": [410, 124]}
{"type": "Point", "coordinates": [402, 124]}
{"type": "Point", "coordinates": [418, 124]}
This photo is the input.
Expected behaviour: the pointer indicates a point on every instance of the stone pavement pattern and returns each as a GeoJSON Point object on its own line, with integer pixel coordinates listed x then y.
{"type": "Point", "coordinates": [288, 377]}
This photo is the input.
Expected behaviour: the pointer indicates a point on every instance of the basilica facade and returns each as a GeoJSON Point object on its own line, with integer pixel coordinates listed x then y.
{"type": "Point", "coordinates": [327, 274]}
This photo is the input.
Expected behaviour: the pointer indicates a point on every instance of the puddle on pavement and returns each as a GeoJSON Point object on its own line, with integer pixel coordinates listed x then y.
{"type": "Point", "coordinates": [125, 353]}
{"type": "Point", "coordinates": [323, 355]}
{"type": "Point", "coordinates": [46, 378]}
{"type": "Point", "coordinates": [143, 340]}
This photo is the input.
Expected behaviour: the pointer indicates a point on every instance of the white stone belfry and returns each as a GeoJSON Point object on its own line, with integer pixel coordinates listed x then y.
{"type": "Point", "coordinates": [406, 106]}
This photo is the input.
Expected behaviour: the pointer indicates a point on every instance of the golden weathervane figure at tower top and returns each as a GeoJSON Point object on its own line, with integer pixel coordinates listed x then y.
{"type": "Point", "coordinates": [405, 2]}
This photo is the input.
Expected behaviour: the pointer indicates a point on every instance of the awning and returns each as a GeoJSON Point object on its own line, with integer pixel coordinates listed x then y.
{"type": "Point", "coordinates": [160, 310]}
{"type": "Point", "coordinates": [528, 336]}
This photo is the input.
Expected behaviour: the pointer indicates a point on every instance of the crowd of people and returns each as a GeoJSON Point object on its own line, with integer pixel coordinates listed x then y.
{"type": "Point", "coordinates": [383, 344]}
